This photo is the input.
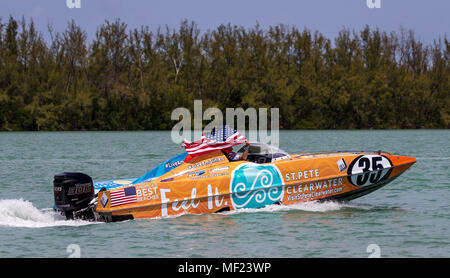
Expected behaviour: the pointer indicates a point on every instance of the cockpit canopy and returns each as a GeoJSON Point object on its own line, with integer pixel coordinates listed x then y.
{"type": "Point", "coordinates": [264, 153]}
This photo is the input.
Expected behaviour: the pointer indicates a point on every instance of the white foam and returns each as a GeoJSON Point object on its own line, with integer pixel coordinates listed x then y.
{"type": "Point", "coordinates": [22, 213]}
{"type": "Point", "coordinates": [311, 206]}
{"type": "Point", "coordinates": [315, 206]}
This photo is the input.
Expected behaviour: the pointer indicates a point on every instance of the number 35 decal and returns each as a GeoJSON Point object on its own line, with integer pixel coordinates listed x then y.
{"type": "Point", "coordinates": [369, 169]}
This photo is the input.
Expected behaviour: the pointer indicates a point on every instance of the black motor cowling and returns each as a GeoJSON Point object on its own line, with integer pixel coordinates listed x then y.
{"type": "Point", "coordinates": [73, 191]}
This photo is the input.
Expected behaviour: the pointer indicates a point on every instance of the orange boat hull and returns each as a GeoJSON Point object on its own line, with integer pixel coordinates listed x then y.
{"type": "Point", "coordinates": [211, 184]}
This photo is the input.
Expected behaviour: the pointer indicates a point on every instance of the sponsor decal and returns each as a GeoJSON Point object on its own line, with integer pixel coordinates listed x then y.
{"type": "Point", "coordinates": [80, 189]}
{"type": "Point", "coordinates": [218, 198]}
{"type": "Point", "coordinates": [301, 175]}
{"type": "Point", "coordinates": [123, 196]}
{"type": "Point", "coordinates": [210, 176]}
{"type": "Point", "coordinates": [187, 203]}
{"type": "Point", "coordinates": [198, 173]}
{"type": "Point", "coordinates": [104, 200]}
{"type": "Point", "coordinates": [341, 165]}
{"type": "Point", "coordinates": [219, 169]}
{"type": "Point", "coordinates": [281, 158]}
{"type": "Point", "coordinates": [173, 164]}
{"type": "Point", "coordinates": [255, 186]}
{"type": "Point", "coordinates": [307, 196]}
{"type": "Point", "coordinates": [369, 169]}
{"type": "Point", "coordinates": [147, 192]}
{"type": "Point", "coordinates": [215, 200]}
{"type": "Point", "coordinates": [206, 162]}
{"type": "Point", "coordinates": [309, 190]}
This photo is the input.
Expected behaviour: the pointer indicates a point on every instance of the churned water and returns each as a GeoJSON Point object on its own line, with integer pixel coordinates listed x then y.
{"type": "Point", "coordinates": [410, 217]}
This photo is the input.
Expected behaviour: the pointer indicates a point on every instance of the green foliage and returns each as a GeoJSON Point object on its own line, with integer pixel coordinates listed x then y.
{"type": "Point", "coordinates": [133, 79]}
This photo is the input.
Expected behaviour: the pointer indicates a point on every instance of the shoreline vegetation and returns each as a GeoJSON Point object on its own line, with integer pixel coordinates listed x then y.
{"type": "Point", "coordinates": [132, 79]}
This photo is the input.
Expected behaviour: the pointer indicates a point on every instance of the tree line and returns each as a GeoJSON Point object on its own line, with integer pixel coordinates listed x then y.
{"type": "Point", "coordinates": [132, 79]}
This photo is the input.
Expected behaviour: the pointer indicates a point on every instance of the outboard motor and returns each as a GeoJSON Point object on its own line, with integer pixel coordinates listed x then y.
{"type": "Point", "coordinates": [73, 192]}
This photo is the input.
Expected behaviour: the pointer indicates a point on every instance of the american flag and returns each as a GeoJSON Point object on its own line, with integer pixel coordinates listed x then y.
{"type": "Point", "coordinates": [126, 195]}
{"type": "Point", "coordinates": [220, 139]}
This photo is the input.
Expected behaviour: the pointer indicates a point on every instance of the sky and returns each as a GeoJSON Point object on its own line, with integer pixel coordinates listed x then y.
{"type": "Point", "coordinates": [429, 19]}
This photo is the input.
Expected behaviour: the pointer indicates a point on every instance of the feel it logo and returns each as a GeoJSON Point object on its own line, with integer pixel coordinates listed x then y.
{"type": "Point", "coordinates": [371, 4]}
{"type": "Point", "coordinates": [73, 4]}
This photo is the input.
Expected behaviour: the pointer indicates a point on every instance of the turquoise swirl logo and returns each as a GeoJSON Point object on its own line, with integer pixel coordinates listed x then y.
{"type": "Point", "coordinates": [255, 186]}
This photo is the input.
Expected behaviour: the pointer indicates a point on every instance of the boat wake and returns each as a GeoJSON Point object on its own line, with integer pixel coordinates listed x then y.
{"type": "Point", "coordinates": [316, 206]}
{"type": "Point", "coordinates": [22, 213]}
{"type": "Point", "coordinates": [311, 206]}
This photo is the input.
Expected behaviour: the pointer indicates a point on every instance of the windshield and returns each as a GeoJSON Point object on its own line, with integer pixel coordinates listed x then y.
{"type": "Point", "coordinates": [262, 148]}
{"type": "Point", "coordinates": [263, 153]}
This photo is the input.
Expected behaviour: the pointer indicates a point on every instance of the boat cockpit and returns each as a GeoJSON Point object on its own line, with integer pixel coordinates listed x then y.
{"type": "Point", "coordinates": [263, 153]}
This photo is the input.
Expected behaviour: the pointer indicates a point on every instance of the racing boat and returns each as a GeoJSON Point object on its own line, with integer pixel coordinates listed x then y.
{"type": "Point", "coordinates": [211, 183]}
